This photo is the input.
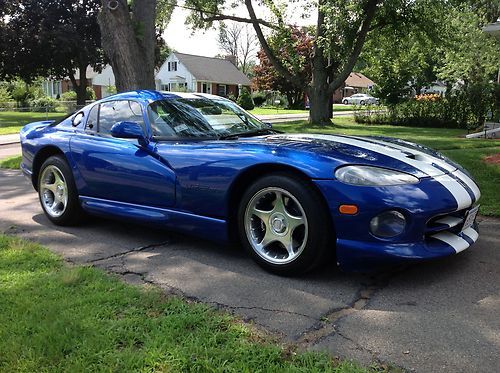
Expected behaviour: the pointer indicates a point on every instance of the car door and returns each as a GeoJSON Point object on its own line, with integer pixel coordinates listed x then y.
{"type": "Point", "coordinates": [120, 169]}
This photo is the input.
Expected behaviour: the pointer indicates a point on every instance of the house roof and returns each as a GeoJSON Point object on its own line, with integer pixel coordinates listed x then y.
{"type": "Point", "coordinates": [211, 69]}
{"type": "Point", "coordinates": [358, 80]}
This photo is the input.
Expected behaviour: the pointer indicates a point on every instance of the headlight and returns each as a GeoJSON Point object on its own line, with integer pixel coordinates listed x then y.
{"type": "Point", "coordinates": [369, 175]}
{"type": "Point", "coordinates": [388, 224]}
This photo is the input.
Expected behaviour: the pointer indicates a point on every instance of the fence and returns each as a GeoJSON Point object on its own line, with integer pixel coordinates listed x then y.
{"type": "Point", "coordinates": [62, 107]}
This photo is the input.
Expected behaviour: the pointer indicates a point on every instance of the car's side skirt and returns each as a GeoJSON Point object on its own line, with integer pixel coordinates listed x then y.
{"type": "Point", "coordinates": [202, 226]}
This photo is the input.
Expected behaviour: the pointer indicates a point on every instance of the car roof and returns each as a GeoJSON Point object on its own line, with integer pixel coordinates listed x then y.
{"type": "Point", "coordinates": [151, 95]}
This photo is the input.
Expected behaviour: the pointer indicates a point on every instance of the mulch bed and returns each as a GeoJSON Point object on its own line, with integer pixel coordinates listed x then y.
{"type": "Point", "coordinates": [493, 159]}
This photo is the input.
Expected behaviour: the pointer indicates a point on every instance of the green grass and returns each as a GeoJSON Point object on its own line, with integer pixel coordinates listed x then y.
{"type": "Point", "coordinates": [467, 152]}
{"type": "Point", "coordinates": [11, 121]}
{"type": "Point", "coordinates": [57, 318]}
{"type": "Point", "coordinates": [11, 162]}
{"type": "Point", "coordinates": [487, 175]}
{"type": "Point", "coordinates": [274, 111]}
{"type": "Point", "coordinates": [342, 107]}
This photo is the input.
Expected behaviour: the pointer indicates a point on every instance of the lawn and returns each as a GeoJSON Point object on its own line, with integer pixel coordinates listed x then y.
{"type": "Point", "coordinates": [12, 121]}
{"type": "Point", "coordinates": [467, 152]}
{"type": "Point", "coordinates": [275, 111]}
{"type": "Point", "coordinates": [12, 163]}
{"type": "Point", "coordinates": [62, 318]}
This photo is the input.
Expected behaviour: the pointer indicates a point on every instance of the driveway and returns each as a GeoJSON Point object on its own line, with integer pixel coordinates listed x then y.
{"type": "Point", "coordinates": [440, 316]}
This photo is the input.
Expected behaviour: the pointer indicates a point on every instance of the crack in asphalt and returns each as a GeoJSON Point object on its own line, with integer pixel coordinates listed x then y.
{"type": "Point", "coordinates": [133, 250]}
{"type": "Point", "coordinates": [327, 323]}
{"type": "Point", "coordinates": [225, 306]}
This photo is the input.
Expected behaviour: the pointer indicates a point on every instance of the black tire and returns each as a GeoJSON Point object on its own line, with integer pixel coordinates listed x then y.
{"type": "Point", "coordinates": [72, 214]}
{"type": "Point", "coordinates": [318, 244]}
{"type": "Point", "coordinates": [361, 102]}
{"type": "Point", "coordinates": [345, 102]}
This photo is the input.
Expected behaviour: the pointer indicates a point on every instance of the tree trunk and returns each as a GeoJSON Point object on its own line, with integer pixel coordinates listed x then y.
{"type": "Point", "coordinates": [81, 89]}
{"type": "Point", "coordinates": [319, 102]}
{"type": "Point", "coordinates": [128, 39]}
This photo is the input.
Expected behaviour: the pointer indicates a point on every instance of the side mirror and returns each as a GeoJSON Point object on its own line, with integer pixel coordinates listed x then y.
{"type": "Point", "coordinates": [268, 125]}
{"type": "Point", "coordinates": [129, 130]}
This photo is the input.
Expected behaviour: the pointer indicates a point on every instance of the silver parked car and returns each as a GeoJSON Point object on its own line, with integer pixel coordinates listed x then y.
{"type": "Point", "coordinates": [360, 99]}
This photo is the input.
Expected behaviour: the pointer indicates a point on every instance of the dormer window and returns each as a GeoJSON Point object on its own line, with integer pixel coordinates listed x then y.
{"type": "Point", "coordinates": [172, 66]}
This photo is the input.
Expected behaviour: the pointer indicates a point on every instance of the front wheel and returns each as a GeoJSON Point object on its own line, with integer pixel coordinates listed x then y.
{"type": "Point", "coordinates": [57, 192]}
{"type": "Point", "coordinates": [284, 224]}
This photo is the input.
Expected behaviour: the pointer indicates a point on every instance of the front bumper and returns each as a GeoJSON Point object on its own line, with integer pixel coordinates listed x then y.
{"type": "Point", "coordinates": [358, 250]}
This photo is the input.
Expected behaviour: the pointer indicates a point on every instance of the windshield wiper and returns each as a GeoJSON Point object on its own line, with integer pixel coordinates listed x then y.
{"type": "Point", "coordinates": [260, 131]}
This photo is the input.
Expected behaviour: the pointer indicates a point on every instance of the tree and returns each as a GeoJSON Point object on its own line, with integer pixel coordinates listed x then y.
{"type": "Point", "coordinates": [129, 35]}
{"type": "Point", "coordinates": [267, 78]}
{"type": "Point", "coordinates": [55, 38]}
{"type": "Point", "coordinates": [237, 40]}
{"type": "Point", "coordinates": [403, 61]}
{"type": "Point", "coordinates": [341, 29]}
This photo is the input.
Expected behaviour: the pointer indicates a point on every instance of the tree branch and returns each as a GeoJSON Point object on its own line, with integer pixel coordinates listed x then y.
{"type": "Point", "coordinates": [370, 10]}
{"type": "Point", "coordinates": [280, 68]}
{"type": "Point", "coordinates": [213, 16]}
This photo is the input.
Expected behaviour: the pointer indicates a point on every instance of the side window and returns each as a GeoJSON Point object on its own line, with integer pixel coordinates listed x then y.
{"type": "Point", "coordinates": [119, 111]}
{"type": "Point", "coordinates": [77, 119]}
{"type": "Point", "coordinates": [91, 124]}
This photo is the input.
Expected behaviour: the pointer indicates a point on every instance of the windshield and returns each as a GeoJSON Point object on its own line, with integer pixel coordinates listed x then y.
{"type": "Point", "coordinates": [199, 117]}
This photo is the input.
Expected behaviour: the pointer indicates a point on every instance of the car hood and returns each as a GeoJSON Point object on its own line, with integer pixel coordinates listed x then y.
{"type": "Point", "coordinates": [371, 150]}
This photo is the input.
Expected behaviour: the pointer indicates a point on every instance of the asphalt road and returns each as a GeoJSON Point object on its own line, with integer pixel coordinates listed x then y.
{"type": "Point", "coordinates": [442, 316]}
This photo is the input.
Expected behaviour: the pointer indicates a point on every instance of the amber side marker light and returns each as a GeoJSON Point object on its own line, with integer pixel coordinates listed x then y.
{"type": "Point", "coordinates": [348, 209]}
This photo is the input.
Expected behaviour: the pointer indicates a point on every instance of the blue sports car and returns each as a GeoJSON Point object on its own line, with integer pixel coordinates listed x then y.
{"type": "Point", "coordinates": [200, 164]}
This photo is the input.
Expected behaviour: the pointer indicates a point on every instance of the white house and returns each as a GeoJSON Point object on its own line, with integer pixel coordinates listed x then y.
{"type": "Point", "coordinates": [193, 73]}
{"type": "Point", "coordinates": [180, 72]}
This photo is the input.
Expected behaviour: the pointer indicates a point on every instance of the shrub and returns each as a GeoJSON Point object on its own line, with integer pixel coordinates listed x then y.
{"type": "Point", "coordinates": [68, 96]}
{"type": "Point", "coordinates": [90, 94]}
{"type": "Point", "coordinates": [245, 100]}
{"type": "Point", "coordinates": [5, 95]}
{"type": "Point", "coordinates": [259, 98]}
{"type": "Point", "coordinates": [465, 107]}
{"type": "Point", "coordinates": [43, 104]}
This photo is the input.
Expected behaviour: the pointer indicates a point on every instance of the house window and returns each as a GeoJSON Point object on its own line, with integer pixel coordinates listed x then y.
{"type": "Point", "coordinates": [222, 90]}
{"type": "Point", "coordinates": [165, 87]}
{"type": "Point", "coordinates": [172, 66]}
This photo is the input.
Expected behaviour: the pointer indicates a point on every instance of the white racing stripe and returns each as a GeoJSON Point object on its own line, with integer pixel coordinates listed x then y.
{"type": "Point", "coordinates": [457, 242]}
{"type": "Point", "coordinates": [469, 182]}
{"type": "Point", "coordinates": [458, 191]}
{"type": "Point", "coordinates": [438, 161]}
{"type": "Point", "coordinates": [422, 162]}
{"type": "Point", "coordinates": [471, 233]}
{"type": "Point", "coordinates": [381, 149]}
{"type": "Point", "coordinates": [422, 156]}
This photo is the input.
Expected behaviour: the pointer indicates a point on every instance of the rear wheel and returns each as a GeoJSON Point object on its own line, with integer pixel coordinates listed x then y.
{"type": "Point", "coordinates": [345, 102]}
{"type": "Point", "coordinates": [284, 225]}
{"type": "Point", "coordinates": [57, 192]}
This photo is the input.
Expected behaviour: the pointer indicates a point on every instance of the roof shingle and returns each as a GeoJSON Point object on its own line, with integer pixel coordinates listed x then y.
{"type": "Point", "coordinates": [212, 69]}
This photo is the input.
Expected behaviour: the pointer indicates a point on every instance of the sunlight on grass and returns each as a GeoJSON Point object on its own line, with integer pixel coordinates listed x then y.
{"type": "Point", "coordinates": [12, 122]}
{"type": "Point", "coordinates": [11, 162]}
{"type": "Point", "coordinates": [74, 319]}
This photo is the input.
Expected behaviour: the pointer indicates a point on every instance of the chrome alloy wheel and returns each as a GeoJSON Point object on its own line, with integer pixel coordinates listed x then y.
{"type": "Point", "coordinates": [276, 225]}
{"type": "Point", "coordinates": [53, 191]}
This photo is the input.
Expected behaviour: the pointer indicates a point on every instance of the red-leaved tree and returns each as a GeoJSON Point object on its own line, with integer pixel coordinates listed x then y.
{"type": "Point", "coordinates": [296, 56]}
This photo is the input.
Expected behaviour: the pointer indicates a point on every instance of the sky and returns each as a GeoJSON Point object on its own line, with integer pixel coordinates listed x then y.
{"type": "Point", "coordinates": [204, 43]}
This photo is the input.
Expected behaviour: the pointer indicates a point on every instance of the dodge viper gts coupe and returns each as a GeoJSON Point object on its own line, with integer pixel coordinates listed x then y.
{"type": "Point", "coordinates": [200, 164]}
